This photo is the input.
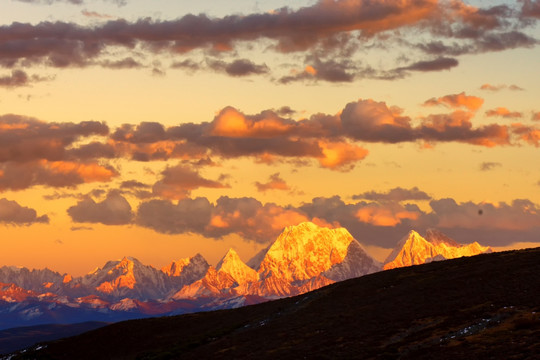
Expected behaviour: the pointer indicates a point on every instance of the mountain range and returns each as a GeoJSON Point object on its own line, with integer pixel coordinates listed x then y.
{"type": "Point", "coordinates": [479, 307]}
{"type": "Point", "coordinates": [303, 258]}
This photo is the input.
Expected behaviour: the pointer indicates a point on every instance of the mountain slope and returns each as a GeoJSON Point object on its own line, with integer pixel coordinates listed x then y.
{"type": "Point", "coordinates": [414, 249]}
{"type": "Point", "coordinates": [466, 308]}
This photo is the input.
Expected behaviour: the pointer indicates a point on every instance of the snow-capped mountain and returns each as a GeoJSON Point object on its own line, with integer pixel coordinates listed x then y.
{"type": "Point", "coordinates": [128, 278]}
{"type": "Point", "coordinates": [187, 270]}
{"type": "Point", "coordinates": [413, 249]}
{"type": "Point", "coordinates": [36, 280]}
{"type": "Point", "coordinates": [309, 254]}
{"type": "Point", "coordinates": [303, 258]}
{"type": "Point", "coordinates": [228, 278]}
{"type": "Point", "coordinates": [232, 264]}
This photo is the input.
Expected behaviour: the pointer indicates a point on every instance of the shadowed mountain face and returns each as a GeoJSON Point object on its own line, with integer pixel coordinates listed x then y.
{"type": "Point", "coordinates": [481, 307]}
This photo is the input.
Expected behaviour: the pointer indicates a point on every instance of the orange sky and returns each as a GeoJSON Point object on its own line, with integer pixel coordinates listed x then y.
{"type": "Point", "coordinates": [143, 130]}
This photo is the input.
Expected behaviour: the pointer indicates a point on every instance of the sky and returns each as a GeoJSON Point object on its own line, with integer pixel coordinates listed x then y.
{"type": "Point", "coordinates": [161, 129]}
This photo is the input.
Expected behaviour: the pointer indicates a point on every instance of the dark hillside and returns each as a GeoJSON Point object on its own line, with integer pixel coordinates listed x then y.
{"type": "Point", "coordinates": [482, 307]}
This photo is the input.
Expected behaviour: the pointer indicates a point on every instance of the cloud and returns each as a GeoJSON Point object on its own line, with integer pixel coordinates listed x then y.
{"type": "Point", "coordinates": [536, 116]}
{"type": "Point", "coordinates": [134, 184]}
{"type": "Point", "coordinates": [530, 8]}
{"type": "Point", "coordinates": [25, 139]}
{"type": "Point", "coordinates": [113, 210]}
{"type": "Point", "coordinates": [126, 63]}
{"type": "Point", "coordinates": [344, 28]}
{"type": "Point", "coordinates": [486, 166]}
{"type": "Point", "coordinates": [246, 217]}
{"type": "Point", "coordinates": [19, 176]}
{"type": "Point", "coordinates": [96, 15]}
{"type": "Point", "coordinates": [329, 140]}
{"type": "Point", "coordinates": [20, 78]}
{"type": "Point", "coordinates": [14, 214]}
{"type": "Point", "coordinates": [275, 182]}
{"type": "Point", "coordinates": [178, 181]}
{"type": "Point", "coordinates": [186, 216]}
{"type": "Point", "coordinates": [490, 87]}
{"type": "Point", "coordinates": [397, 194]}
{"type": "Point", "coordinates": [438, 64]}
{"type": "Point", "coordinates": [385, 215]}
{"type": "Point", "coordinates": [528, 134]}
{"type": "Point", "coordinates": [239, 67]}
{"type": "Point", "coordinates": [456, 101]}
{"type": "Point", "coordinates": [503, 112]}
{"type": "Point", "coordinates": [334, 71]}
{"type": "Point", "coordinates": [381, 222]}
{"type": "Point", "coordinates": [518, 215]}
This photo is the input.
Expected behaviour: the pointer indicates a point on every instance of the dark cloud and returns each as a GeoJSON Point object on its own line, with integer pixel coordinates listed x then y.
{"type": "Point", "coordinates": [178, 181]}
{"type": "Point", "coordinates": [26, 139]}
{"type": "Point", "coordinates": [343, 28]}
{"type": "Point", "coordinates": [397, 194]}
{"type": "Point", "coordinates": [438, 64]}
{"type": "Point", "coordinates": [186, 216]}
{"type": "Point", "coordinates": [20, 176]}
{"type": "Point", "coordinates": [239, 67]}
{"type": "Point", "coordinates": [114, 210]}
{"type": "Point", "coordinates": [486, 166]}
{"type": "Point", "coordinates": [530, 8]}
{"type": "Point", "coordinates": [187, 64]}
{"type": "Point", "coordinates": [246, 217]}
{"type": "Point", "coordinates": [20, 78]}
{"type": "Point", "coordinates": [335, 71]}
{"type": "Point", "coordinates": [14, 214]}
{"type": "Point", "coordinates": [379, 222]}
{"type": "Point", "coordinates": [127, 63]}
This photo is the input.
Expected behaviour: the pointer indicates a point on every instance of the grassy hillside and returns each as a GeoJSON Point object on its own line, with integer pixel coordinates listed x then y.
{"type": "Point", "coordinates": [483, 307]}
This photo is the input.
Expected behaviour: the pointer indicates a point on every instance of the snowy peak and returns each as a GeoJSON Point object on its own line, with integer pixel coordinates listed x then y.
{"type": "Point", "coordinates": [307, 256]}
{"type": "Point", "coordinates": [187, 267]}
{"type": "Point", "coordinates": [127, 277]}
{"type": "Point", "coordinates": [213, 284]}
{"type": "Point", "coordinates": [416, 250]}
{"type": "Point", "coordinates": [304, 251]}
{"type": "Point", "coordinates": [436, 237]}
{"type": "Point", "coordinates": [232, 264]}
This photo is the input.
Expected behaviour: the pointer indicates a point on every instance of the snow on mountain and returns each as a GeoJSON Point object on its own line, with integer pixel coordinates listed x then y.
{"type": "Point", "coordinates": [303, 258]}
{"type": "Point", "coordinates": [35, 280]}
{"type": "Point", "coordinates": [128, 278]}
{"type": "Point", "coordinates": [12, 293]}
{"type": "Point", "coordinates": [214, 284]}
{"type": "Point", "coordinates": [232, 264]}
{"type": "Point", "coordinates": [303, 253]}
{"type": "Point", "coordinates": [413, 249]}
{"type": "Point", "coordinates": [231, 276]}
{"type": "Point", "coordinates": [187, 270]}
